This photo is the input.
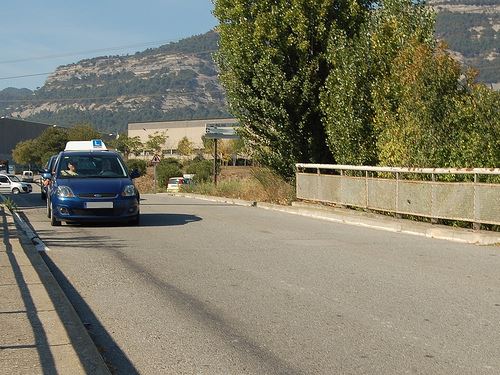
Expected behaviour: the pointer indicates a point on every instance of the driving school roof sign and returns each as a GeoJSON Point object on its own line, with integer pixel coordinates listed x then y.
{"type": "Point", "coordinates": [222, 131]}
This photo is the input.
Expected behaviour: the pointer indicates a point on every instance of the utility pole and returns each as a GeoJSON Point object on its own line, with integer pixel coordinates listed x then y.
{"type": "Point", "coordinates": [215, 161]}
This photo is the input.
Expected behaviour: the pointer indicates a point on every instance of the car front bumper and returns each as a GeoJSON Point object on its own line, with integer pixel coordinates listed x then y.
{"type": "Point", "coordinates": [75, 209]}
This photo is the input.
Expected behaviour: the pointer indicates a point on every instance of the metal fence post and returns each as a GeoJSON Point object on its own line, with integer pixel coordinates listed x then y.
{"type": "Point", "coordinates": [366, 189]}
{"type": "Point", "coordinates": [475, 224]}
{"type": "Point", "coordinates": [433, 199]}
{"type": "Point", "coordinates": [398, 215]}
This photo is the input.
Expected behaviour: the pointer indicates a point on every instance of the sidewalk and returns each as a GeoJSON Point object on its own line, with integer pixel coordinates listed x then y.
{"type": "Point", "coordinates": [40, 333]}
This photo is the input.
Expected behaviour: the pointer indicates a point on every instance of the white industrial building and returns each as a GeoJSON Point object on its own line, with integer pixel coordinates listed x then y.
{"type": "Point", "coordinates": [175, 131]}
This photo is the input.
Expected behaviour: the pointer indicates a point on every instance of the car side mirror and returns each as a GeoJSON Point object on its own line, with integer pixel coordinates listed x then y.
{"type": "Point", "coordinates": [47, 175]}
{"type": "Point", "coordinates": [134, 174]}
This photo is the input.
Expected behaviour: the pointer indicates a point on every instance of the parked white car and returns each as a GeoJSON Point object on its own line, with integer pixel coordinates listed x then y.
{"type": "Point", "coordinates": [10, 183]}
{"type": "Point", "coordinates": [174, 184]}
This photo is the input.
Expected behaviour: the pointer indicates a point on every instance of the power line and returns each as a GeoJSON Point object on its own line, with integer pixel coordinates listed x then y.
{"type": "Point", "coordinates": [27, 75]}
{"type": "Point", "coordinates": [69, 69]}
{"type": "Point", "coordinates": [116, 48]}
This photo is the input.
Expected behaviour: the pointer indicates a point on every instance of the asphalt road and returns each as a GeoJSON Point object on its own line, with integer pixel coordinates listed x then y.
{"type": "Point", "coordinates": [209, 288]}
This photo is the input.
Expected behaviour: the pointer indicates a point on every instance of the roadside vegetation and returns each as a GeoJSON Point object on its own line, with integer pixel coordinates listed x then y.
{"type": "Point", "coordinates": [256, 184]}
{"type": "Point", "coordinates": [8, 203]}
{"type": "Point", "coordinates": [352, 82]}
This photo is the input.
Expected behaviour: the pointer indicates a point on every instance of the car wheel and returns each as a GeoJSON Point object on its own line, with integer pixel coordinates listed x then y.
{"type": "Point", "coordinates": [15, 191]}
{"type": "Point", "coordinates": [53, 221]}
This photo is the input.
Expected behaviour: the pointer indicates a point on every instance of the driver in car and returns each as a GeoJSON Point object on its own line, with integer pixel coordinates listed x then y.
{"type": "Point", "coordinates": [71, 171]}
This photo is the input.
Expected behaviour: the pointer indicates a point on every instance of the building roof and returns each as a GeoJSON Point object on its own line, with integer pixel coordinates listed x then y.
{"type": "Point", "coordinates": [177, 123]}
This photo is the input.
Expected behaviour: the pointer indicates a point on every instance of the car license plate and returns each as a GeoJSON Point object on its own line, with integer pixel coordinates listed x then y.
{"type": "Point", "coordinates": [98, 204]}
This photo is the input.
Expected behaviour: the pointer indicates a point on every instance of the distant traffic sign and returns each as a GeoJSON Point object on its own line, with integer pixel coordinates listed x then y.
{"type": "Point", "coordinates": [155, 159]}
{"type": "Point", "coordinates": [221, 131]}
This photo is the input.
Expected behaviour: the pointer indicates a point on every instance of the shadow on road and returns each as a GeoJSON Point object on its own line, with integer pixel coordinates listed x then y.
{"type": "Point", "coordinates": [147, 220]}
{"type": "Point", "coordinates": [31, 200]}
{"type": "Point", "coordinates": [115, 358]}
{"type": "Point", "coordinates": [160, 220]}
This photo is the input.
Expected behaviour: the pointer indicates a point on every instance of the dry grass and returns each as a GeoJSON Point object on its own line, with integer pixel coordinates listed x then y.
{"type": "Point", "coordinates": [247, 183]}
{"type": "Point", "coordinates": [145, 183]}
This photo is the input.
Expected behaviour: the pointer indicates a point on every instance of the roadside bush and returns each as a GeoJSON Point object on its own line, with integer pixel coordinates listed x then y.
{"type": "Point", "coordinates": [275, 188]}
{"type": "Point", "coordinates": [202, 170]}
{"type": "Point", "coordinates": [8, 203]}
{"type": "Point", "coordinates": [173, 161]}
{"type": "Point", "coordinates": [138, 164]}
{"type": "Point", "coordinates": [167, 169]}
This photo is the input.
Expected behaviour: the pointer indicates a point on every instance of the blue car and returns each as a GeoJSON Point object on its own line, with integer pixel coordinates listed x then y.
{"type": "Point", "coordinates": [90, 184]}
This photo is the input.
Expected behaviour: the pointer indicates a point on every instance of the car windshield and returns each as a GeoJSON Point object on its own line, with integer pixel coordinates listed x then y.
{"type": "Point", "coordinates": [91, 166]}
{"type": "Point", "coordinates": [14, 178]}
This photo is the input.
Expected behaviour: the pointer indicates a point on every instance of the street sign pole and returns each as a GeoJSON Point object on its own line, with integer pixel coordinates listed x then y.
{"type": "Point", "coordinates": [156, 159]}
{"type": "Point", "coordinates": [154, 172]}
{"type": "Point", "coordinates": [215, 161]}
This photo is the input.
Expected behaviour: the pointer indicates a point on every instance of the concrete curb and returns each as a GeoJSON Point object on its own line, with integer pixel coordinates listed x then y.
{"type": "Point", "coordinates": [33, 237]}
{"type": "Point", "coordinates": [85, 351]}
{"type": "Point", "coordinates": [366, 219]}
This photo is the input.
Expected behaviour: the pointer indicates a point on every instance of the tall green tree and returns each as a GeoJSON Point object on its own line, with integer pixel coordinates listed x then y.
{"type": "Point", "coordinates": [156, 142]}
{"type": "Point", "coordinates": [360, 64]}
{"type": "Point", "coordinates": [273, 65]}
{"type": "Point", "coordinates": [24, 153]}
{"type": "Point", "coordinates": [83, 132]}
{"type": "Point", "coordinates": [185, 147]}
{"type": "Point", "coordinates": [432, 114]}
{"type": "Point", "coordinates": [128, 145]}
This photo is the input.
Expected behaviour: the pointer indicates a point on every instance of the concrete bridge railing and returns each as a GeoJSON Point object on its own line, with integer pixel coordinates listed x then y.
{"type": "Point", "coordinates": [472, 197]}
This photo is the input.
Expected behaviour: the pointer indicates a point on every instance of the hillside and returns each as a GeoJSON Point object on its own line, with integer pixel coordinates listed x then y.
{"type": "Point", "coordinates": [179, 80]}
{"type": "Point", "coordinates": [174, 81]}
{"type": "Point", "coordinates": [471, 28]}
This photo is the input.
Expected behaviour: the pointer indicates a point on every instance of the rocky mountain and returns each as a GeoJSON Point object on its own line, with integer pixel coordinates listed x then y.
{"type": "Point", "coordinates": [179, 80]}
{"type": "Point", "coordinates": [175, 81]}
{"type": "Point", "coordinates": [471, 28]}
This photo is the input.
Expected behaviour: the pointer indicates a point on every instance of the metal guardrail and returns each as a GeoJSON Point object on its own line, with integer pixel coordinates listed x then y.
{"type": "Point", "coordinates": [384, 189]}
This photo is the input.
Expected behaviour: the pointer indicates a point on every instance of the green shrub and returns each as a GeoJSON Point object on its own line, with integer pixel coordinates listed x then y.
{"type": "Point", "coordinates": [172, 161]}
{"type": "Point", "coordinates": [167, 169]}
{"type": "Point", "coordinates": [8, 203]}
{"type": "Point", "coordinates": [202, 170]}
{"type": "Point", "coordinates": [138, 164]}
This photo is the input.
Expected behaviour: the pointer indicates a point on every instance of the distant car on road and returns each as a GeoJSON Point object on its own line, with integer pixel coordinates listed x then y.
{"type": "Point", "coordinates": [10, 183]}
{"type": "Point", "coordinates": [27, 176]}
{"type": "Point", "coordinates": [174, 184]}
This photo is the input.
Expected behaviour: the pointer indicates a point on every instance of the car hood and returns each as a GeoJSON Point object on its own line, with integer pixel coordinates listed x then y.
{"type": "Point", "coordinates": [95, 185]}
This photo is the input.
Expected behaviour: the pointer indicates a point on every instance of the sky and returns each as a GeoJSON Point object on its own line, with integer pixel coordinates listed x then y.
{"type": "Point", "coordinates": [37, 36]}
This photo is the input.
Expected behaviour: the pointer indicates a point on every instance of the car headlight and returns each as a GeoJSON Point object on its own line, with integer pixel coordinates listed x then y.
{"type": "Point", "coordinates": [64, 192]}
{"type": "Point", "coordinates": [128, 191]}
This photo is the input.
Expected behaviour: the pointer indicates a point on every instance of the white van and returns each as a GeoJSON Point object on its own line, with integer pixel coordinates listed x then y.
{"type": "Point", "coordinates": [10, 183]}
{"type": "Point", "coordinates": [27, 176]}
